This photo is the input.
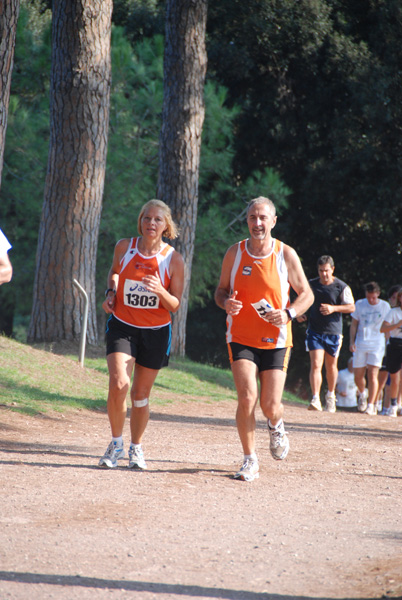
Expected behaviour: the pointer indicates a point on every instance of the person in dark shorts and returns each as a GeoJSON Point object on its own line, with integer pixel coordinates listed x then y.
{"type": "Point", "coordinates": [254, 291]}
{"type": "Point", "coordinates": [383, 400]}
{"type": "Point", "coordinates": [145, 285]}
{"type": "Point", "coordinates": [332, 299]}
{"type": "Point", "coordinates": [393, 326]}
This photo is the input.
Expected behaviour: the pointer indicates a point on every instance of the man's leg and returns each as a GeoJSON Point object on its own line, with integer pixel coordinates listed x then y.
{"type": "Point", "coordinates": [245, 379]}
{"type": "Point", "coordinates": [380, 398]}
{"type": "Point", "coordinates": [393, 392]}
{"type": "Point", "coordinates": [331, 371]}
{"type": "Point", "coordinates": [372, 377]}
{"type": "Point", "coordinates": [272, 383]}
{"type": "Point", "coordinates": [360, 381]}
{"type": "Point", "coordinates": [316, 363]}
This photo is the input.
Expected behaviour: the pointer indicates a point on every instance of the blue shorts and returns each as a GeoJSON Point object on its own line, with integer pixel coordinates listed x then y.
{"type": "Point", "coordinates": [330, 343]}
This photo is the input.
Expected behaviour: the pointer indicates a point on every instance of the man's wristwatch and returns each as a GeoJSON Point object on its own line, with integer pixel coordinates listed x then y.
{"type": "Point", "coordinates": [110, 290]}
{"type": "Point", "coordinates": [291, 313]}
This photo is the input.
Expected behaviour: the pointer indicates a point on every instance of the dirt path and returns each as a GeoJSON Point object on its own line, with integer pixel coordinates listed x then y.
{"type": "Point", "coordinates": [325, 523]}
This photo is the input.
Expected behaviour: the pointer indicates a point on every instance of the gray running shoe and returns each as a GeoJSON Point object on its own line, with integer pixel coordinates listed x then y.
{"type": "Point", "coordinates": [111, 456]}
{"type": "Point", "coordinates": [279, 443]}
{"type": "Point", "coordinates": [370, 410]}
{"type": "Point", "coordinates": [362, 401]}
{"type": "Point", "coordinates": [315, 404]}
{"type": "Point", "coordinates": [248, 471]}
{"type": "Point", "coordinates": [136, 458]}
{"type": "Point", "coordinates": [330, 403]}
{"type": "Point", "coordinates": [393, 412]}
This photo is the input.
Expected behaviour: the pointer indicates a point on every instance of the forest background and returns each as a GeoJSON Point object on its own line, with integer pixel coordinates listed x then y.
{"type": "Point", "coordinates": [303, 104]}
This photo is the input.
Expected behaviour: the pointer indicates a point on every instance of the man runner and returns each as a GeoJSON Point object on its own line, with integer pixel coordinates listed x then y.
{"type": "Point", "coordinates": [254, 291]}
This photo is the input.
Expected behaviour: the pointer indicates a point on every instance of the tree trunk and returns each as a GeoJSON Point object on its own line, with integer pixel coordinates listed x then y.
{"type": "Point", "coordinates": [185, 64]}
{"type": "Point", "coordinates": [9, 11]}
{"type": "Point", "coordinates": [79, 117]}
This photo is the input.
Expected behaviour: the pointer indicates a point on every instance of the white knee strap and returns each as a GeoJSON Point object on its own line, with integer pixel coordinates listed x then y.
{"type": "Point", "coordinates": [140, 403]}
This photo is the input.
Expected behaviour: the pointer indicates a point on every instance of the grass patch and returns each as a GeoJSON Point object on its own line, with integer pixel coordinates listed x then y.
{"type": "Point", "coordinates": [34, 381]}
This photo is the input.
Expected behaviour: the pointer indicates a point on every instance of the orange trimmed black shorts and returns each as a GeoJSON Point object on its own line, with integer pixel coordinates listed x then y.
{"type": "Point", "coordinates": [266, 359]}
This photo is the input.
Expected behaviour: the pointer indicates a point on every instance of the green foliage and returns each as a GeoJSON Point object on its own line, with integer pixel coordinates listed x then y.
{"type": "Point", "coordinates": [140, 18]}
{"type": "Point", "coordinates": [317, 85]}
{"type": "Point", "coordinates": [132, 169]}
{"type": "Point", "coordinates": [25, 158]}
{"type": "Point", "coordinates": [135, 120]}
{"type": "Point", "coordinates": [132, 166]}
{"type": "Point", "coordinates": [34, 381]}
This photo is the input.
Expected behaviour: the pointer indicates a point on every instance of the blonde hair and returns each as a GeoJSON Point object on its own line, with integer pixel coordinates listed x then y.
{"type": "Point", "coordinates": [262, 200]}
{"type": "Point", "coordinates": [172, 231]}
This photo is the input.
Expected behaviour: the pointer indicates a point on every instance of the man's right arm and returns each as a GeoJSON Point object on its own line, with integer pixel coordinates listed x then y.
{"type": "Point", "coordinates": [352, 335]}
{"type": "Point", "coordinates": [298, 281]}
{"type": "Point", "coordinates": [224, 297]}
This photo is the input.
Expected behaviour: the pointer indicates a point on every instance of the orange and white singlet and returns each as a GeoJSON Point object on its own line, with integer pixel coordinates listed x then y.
{"type": "Point", "coordinates": [135, 304]}
{"type": "Point", "coordinates": [259, 278]}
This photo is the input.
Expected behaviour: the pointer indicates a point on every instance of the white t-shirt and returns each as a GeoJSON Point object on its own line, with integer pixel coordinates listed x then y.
{"type": "Point", "coordinates": [4, 244]}
{"type": "Point", "coordinates": [370, 318]}
{"type": "Point", "coordinates": [346, 384]}
{"type": "Point", "coordinates": [394, 316]}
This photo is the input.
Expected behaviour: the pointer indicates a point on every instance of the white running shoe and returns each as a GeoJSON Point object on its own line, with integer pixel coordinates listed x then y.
{"type": "Point", "coordinates": [136, 458]}
{"type": "Point", "coordinates": [393, 411]}
{"type": "Point", "coordinates": [278, 443]}
{"type": "Point", "coordinates": [248, 471]}
{"type": "Point", "coordinates": [370, 410]}
{"type": "Point", "coordinates": [315, 404]}
{"type": "Point", "coordinates": [111, 456]}
{"type": "Point", "coordinates": [362, 401]}
{"type": "Point", "coordinates": [330, 403]}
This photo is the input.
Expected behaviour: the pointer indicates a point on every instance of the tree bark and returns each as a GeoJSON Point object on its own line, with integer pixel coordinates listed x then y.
{"type": "Point", "coordinates": [9, 11]}
{"type": "Point", "coordinates": [185, 64]}
{"type": "Point", "coordinates": [79, 117]}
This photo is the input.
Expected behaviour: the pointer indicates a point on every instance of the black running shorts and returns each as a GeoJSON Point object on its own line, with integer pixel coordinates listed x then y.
{"type": "Point", "coordinates": [150, 347]}
{"type": "Point", "coordinates": [266, 360]}
{"type": "Point", "coordinates": [394, 355]}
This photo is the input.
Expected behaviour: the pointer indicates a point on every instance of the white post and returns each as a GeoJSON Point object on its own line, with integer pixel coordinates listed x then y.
{"type": "Point", "coordinates": [84, 323]}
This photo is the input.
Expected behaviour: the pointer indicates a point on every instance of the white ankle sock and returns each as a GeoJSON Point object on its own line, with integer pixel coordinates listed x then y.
{"type": "Point", "coordinates": [252, 456]}
{"type": "Point", "coordinates": [277, 426]}
{"type": "Point", "coordinates": [118, 441]}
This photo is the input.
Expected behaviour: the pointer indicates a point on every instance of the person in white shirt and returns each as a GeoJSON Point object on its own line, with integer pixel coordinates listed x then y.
{"type": "Point", "coordinates": [346, 389]}
{"type": "Point", "coordinates": [6, 269]}
{"type": "Point", "coordinates": [392, 325]}
{"type": "Point", "coordinates": [367, 344]}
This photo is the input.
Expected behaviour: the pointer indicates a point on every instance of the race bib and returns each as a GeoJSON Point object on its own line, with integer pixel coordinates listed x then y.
{"type": "Point", "coordinates": [262, 308]}
{"type": "Point", "coordinates": [137, 295]}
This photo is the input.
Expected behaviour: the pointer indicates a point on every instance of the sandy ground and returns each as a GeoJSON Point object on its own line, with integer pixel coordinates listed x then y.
{"type": "Point", "coordinates": [324, 523]}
